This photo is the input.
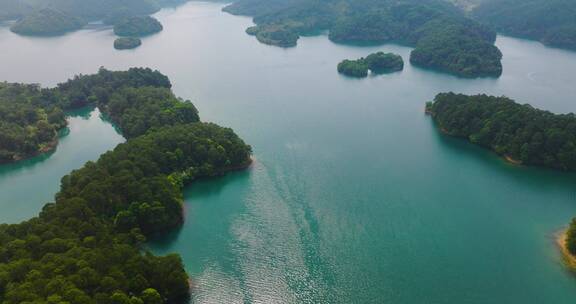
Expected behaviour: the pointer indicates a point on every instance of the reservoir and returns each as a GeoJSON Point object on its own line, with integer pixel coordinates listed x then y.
{"type": "Point", "coordinates": [354, 196]}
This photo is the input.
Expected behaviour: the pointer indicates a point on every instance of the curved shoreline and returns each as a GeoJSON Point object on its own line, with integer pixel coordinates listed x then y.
{"type": "Point", "coordinates": [48, 148]}
{"type": "Point", "coordinates": [568, 258]}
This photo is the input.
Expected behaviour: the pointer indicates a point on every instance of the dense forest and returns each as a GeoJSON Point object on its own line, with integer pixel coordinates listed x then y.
{"type": "Point", "coordinates": [29, 121]}
{"type": "Point", "coordinates": [87, 245]}
{"type": "Point", "coordinates": [553, 22]}
{"type": "Point", "coordinates": [443, 37]}
{"type": "Point", "coordinates": [31, 116]}
{"type": "Point", "coordinates": [377, 63]}
{"type": "Point", "coordinates": [521, 133]}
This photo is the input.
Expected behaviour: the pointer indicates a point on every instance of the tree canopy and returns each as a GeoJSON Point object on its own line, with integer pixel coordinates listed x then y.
{"type": "Point", "coordinates": [519, 132]}
{"type": "Point", "coordinates": [444, 39]}
{"type": "Point", "coordinates": [87, 245]}
{"type": "Point", "coordinates": [377, 63]}
{"type": "Point", "coordinates": [137, 26]}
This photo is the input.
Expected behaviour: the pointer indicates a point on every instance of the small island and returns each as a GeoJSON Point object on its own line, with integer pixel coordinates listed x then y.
{"type": "Point", "coordinates": [353, 68]}
{"type": "Point", "coordinates": [380, 63]}
{"type": "Point", "coordinates": [46, 22]}
{"type": "Point", "coordinates": [126, 43]}
{"type": "Point", "coordinates": [137, 26]}
{"type": "Point", "coordinates": [377, 63]}
{"type": "Point", "coordinates": [519, 133]}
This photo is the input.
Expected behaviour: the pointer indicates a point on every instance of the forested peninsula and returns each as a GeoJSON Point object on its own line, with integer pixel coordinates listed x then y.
{"type": "Point", "coordinates": [520, 133]}
{"type": "Point", "coordinates": [443, 37]}
{"type": "Point", "coordinates": [87, 245]}
{"type": "Point", "coordinates": [552, 22]}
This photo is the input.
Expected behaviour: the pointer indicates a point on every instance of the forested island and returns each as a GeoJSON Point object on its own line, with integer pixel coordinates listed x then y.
{"type": "Point", "coordinates": [377, 63]}
{"type": "Point", "coordinates": [47, 22]}
{"type": "Point", "coordinates": [125, 43]}
{"type": "Point", "coordinates": [87, 245]}
{"type": "Point", "coordinates": [520, 133]}
{"type": "Point", "coordinates": [443, 37]}
{"type": "Point", "coordinates": [552, 22]}
{"type": "Point", "coordinates": [137, 26]}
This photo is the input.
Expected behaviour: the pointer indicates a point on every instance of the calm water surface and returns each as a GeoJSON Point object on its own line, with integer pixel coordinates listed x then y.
{"type": "Point", "coordinates": [354, 196]}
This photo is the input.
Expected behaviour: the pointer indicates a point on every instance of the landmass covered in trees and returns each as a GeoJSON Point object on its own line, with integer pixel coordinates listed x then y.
{"type": "Point", "coordinates": [47, 22]}
{"type": "Point", "coordinates": [518, 132]}
{"type": "Point", "coordinates": [125, 43]}
{"type": "Point", "coordinates": [29, 121]}
{"type": "Point", "coordinates": [377, 63]}
{"type": "Point", "coordinates": [553, 22]}
{"type": "Point", "coordinates": [137, 26]}
{"type": "Point", "coordinates": [87, 245]}
{"type": "Point", "coordinates": [443, 37]}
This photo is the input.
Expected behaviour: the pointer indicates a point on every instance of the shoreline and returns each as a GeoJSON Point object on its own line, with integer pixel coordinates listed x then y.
{"type": "Point", "coordinates": [507, 158]}
{"type": "Point", "coordinates": [568, 258]}
{"type": "Point", "coordinates": [512, 160]}
{"type": "Point", "coordinates": [48, 148]}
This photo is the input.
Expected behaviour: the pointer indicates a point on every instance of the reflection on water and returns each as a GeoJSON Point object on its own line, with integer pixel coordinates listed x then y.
{"type": "Point", "coordinates": [355, 197]}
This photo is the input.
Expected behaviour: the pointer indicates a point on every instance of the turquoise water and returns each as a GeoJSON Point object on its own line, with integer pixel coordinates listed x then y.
{"type": "Point", "coordinates": [27, 185]}
{"type": "Point", "coordinates": [354, 197]}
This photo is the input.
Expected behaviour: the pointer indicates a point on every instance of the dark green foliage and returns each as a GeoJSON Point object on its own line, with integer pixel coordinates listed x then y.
{"type": "Point", "coordinates": [91, 90]}
{"type": "Point", "coordinates": [125, 43]}
{"type": "Point", "coordinates": [137, 26]}
{"type": "Point", "coordinates": [444, 38]}
{"type": "Point", "coordinates": [87, 246]}
{"type": "Point", "coordinates": [378, 63]}
{"type": "Point", "coordinates": [519, 132]}
{"type": "Point", "coordinates": [461, 49]}
{"type": "Point", "coordinates": [552, 22]}
{"type": "Point", "coordinates": [137, 110]}
{"type": "Point", "coordinates": [139, 183]}
{"type": "Point", "coordinates": [384, 62]}
{"type": "Point", "coordinates": [353, 68]}
{"type": "Point", "coordinates": [47, 22]}
{"type": "Point", "coordinates": [29, 121]}
{"type": "Point", "coordinates": [30, 116]}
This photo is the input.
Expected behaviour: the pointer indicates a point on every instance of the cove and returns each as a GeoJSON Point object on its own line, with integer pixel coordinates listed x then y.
{"type": "Point", "coordinates": [27, 185]}
{"type": "Point", "coordinates": [354, 197]}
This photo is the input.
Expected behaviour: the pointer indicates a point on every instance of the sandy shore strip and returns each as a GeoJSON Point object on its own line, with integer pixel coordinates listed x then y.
{"type": "Point", "coordinates": [568, 258]}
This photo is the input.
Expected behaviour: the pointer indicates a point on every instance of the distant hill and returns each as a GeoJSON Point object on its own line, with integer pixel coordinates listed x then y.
{"type": "Point", "coordinates": [552, 22]}
{"type": "Point", "coordinates": [47, 22]}
{"type": "Point", "coordinates": [443, 37]}
{"type": "Point", "coordinates": [52, 17]}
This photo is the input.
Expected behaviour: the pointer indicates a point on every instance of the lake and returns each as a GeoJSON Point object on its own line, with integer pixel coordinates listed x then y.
{"type": "Point", "coordinates": [354, 196]}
